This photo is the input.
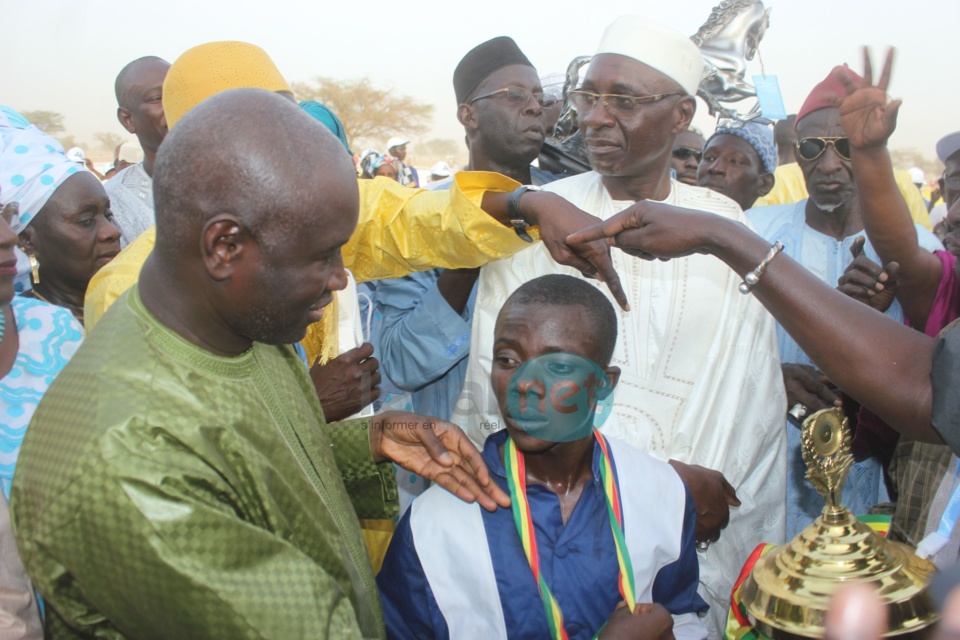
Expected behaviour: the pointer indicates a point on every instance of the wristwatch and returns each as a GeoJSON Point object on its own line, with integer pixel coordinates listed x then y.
{"type": "Point", "coordinates": [519, 223]}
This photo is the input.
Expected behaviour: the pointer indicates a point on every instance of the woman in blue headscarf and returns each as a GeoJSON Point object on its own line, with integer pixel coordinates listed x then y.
{"type": "Point", "coordinates": [36, 338]}
{"type": "Point", "coordinates": [65, 223]}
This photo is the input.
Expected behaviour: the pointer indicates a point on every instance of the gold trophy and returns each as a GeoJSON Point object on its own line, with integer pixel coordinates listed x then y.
{"type": "Point", "coordinates": [789, 589]}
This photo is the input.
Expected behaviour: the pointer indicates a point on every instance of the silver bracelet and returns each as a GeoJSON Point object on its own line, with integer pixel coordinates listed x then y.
{"type": "Point", "coordinates": [751, 279]}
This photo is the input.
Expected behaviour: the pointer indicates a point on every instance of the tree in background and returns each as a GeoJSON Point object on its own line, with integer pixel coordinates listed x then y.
{"type": "Point", "coordinates": [907, 158]}
{"type": "Point", "coordinates": [50, 122]}
{"type": "Point", "coordinates": [368, 114]}
{"type": "Point", "coordinates": [441, 150]}
{"type": "Point", "coordinates": [109, 141]}
{"type": "Point", "coordinates": [69, 141]}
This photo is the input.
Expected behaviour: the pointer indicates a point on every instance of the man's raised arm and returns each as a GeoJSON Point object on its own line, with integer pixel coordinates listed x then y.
{"type": "Point", "coordinates": [869, 120]}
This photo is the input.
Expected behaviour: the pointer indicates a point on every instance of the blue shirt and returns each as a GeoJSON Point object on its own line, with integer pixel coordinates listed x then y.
{"type": "Point", "coordinates": [822, 255]}
{"type": "Point", "coordinates": [578, 560]}
{"type": "Point", "coordinates": [826, 258]}
{"type": "Point", "coordinates": [423, 343]}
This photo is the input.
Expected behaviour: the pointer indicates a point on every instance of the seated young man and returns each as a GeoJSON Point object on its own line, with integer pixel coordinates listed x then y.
{"type": "Point", "coordinates": [573, 548]}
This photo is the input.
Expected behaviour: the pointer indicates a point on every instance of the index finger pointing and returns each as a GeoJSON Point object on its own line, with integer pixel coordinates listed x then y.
{"type": "Point", "coordinates": [609, 228]}
{"type": "Point", "coordinates": [604, 265]}
{"type": "Point", "coordinates": [599, 231]}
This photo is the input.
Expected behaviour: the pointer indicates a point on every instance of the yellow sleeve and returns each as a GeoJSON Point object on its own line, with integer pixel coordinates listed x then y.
{"type": "Point", "coordinates": [918, 210]}
{"type": "Point", "coordinates": [116, 277]}
{"type": "Point", "coordinates": [402, 230]}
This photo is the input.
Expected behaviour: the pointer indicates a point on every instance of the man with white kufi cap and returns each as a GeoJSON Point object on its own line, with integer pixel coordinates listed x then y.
{"type": "Point", "coordinates": [700, 383]}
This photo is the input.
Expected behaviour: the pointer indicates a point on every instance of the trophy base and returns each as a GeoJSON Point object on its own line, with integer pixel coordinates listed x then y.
{"type": "Point", "coordinates": [788, 592]}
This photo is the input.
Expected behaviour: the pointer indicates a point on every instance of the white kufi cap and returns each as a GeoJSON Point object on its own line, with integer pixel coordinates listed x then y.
{"type": "Point", "coordinates": [655, 45]}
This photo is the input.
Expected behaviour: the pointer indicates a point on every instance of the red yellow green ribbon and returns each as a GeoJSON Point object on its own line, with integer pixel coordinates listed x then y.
{"type": "Point", "coordinates": [517, 483]}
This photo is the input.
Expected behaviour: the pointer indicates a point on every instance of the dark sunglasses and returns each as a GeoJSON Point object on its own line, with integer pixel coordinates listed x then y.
{"type": "Point", "coordinates": [812, 148]}
{"type": "Point", "coordinates": [683, 153]}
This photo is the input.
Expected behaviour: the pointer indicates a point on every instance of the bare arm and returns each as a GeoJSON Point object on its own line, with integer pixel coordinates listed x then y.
{"type": "Point", "coordinates": [868, 121]}
{"type": "Point", "coordinates": [878, 361]}
{"type": "Point", "coordinates": [556, 218]}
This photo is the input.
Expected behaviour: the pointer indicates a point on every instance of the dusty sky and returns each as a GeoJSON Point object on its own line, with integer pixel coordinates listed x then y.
{"type": "Point", "coordinates": [63, 55]}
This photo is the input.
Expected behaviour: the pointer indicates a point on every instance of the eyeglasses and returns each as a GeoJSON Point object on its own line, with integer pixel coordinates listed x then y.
{"type": "Point", "coordinates": [812, 148]}
{"type": "Point", "coordinates": [517, 97]}
{"type": "Point", "coordinates": [683, 154]}
{"type": "Point", "coordinates": [613, 103]}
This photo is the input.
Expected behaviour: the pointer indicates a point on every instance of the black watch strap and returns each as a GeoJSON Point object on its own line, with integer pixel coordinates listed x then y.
{"type": "Point", "coordinates": [519, 223]}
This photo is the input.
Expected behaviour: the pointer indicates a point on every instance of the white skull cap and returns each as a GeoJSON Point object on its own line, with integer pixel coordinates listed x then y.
{"type": "Point", "coordinates": [658, 46]}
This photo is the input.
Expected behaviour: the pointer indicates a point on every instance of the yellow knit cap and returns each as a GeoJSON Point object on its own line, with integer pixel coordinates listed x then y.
{"type": "Point", "coordinates": [210, 68]}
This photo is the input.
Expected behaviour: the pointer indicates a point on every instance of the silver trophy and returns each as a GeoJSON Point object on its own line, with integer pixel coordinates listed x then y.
{"type": "Point", "coordinates": [728, 39]}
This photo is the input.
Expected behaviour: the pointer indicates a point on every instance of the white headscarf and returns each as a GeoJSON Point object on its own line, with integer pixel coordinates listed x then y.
{"type": "Point", "coordinates": [32, 165]}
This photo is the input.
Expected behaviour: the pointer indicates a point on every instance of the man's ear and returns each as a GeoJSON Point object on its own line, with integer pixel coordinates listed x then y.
{"type": "Point", "coordinates": [224, 242]}
{"type": "Point", "coordinates": [467, 116]}
{"type": "Point", "coordinates": [685, 109]}
{"type": "Point", "coordinates": [614, 374]}
{"type": "Point", "coordinates": [125, 120]}
{"type": "Point", "coordinates": [767, 180]}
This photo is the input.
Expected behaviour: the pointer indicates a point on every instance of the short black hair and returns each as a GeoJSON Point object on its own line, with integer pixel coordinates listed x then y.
{"type": "Point", "coordinates": [561, 290]}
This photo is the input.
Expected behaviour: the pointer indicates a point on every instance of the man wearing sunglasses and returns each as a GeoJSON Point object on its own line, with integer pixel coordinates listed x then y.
{"type": "Point", "coordinates": [686, 156]}
{"type": "Point", "coordinates": [698, 359]}
{"type": "Point", "coordinates": [819, 232]}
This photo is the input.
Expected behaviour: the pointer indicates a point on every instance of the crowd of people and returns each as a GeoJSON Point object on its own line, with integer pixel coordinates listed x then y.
{"type": "Point", "coordinates": [258, 386]}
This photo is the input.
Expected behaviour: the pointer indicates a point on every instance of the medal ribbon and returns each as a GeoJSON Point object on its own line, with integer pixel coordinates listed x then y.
{"type": "Point", "coordinates": [517, 483]}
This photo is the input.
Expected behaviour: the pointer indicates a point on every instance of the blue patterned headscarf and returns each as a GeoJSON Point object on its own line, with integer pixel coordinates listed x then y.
{"type": "Point", "coordinates": [32, 166]}
{"type": "Point", "coordinates": [327, 118]}
{"type": "Point", "coordinates": [373, 160]}
{"type": "Point", "coordinates": [759, 136]}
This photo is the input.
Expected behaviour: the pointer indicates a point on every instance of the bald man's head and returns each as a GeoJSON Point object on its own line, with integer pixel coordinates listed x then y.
{"type": "Point", "coordinates": [130, 76]}
{"type": "Point", "coordinates": [256, 198]}
{"type": "Point", "coordinates": [139, 89]}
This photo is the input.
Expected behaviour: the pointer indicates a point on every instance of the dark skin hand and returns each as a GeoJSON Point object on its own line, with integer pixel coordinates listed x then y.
{"type": "Point", "coordinates": [893, 381]}
{"type": "Point", "coordinates": [868, 282]}
{"type": "Point", "coordinates": [809, 387]}
{"type": "Point", "coordinates": [649, 621]}
{"type": "Point", "coordinates": [348, 383]}
{"type": "Point", "coordinates": [556, 219]}
{"type": "Point", "coordinates": [438, 451]}
{"type": "Point", "coordinates": [869, 119]}
{"type": "Point", "coordinates": [88, 163]}
{"type": "Point", "coordinates": [712, 497]}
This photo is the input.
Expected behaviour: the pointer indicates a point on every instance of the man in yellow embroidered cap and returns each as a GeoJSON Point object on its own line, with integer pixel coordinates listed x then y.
{"type": "Point", "coordinates": [390, 237]}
